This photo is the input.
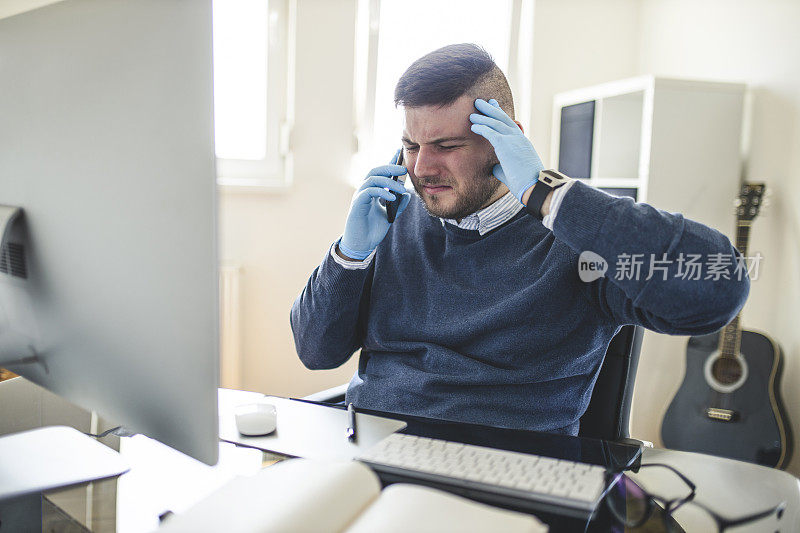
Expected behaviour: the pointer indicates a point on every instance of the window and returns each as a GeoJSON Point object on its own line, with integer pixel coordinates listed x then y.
{"type": "Point", "coordinates": [252, 110]}
{"type": "Point", "coordinates": [393, 33]}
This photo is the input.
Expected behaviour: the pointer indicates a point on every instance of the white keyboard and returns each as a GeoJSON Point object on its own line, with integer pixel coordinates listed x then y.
{"type": "Point", "coordinates": [477, 468]}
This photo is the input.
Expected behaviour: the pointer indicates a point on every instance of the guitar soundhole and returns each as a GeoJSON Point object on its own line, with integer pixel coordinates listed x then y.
{"type": "Point", "coordinates": [726, 371]}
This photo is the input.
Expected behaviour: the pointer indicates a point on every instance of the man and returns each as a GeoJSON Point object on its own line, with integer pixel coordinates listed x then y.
{"type": "Point", "coordinates": [470, 306]}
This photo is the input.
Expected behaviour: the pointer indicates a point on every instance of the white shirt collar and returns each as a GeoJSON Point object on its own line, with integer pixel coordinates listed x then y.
{"type": "Point", "coordinates": [491, 216]}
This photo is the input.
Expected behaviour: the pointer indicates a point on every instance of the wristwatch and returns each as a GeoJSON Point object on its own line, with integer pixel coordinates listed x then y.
{"type": "Point", "coordinates": [549, 180]}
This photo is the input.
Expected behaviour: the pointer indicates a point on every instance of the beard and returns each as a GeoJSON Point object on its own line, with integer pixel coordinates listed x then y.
{"type": "Point", "coordinates": [473, 194]}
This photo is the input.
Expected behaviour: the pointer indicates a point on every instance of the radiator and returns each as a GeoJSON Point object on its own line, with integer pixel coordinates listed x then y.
{"type": "Point", "coordinates": [230, 372]}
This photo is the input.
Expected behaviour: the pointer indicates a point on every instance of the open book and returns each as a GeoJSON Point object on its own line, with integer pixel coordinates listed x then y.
{"type": "Point", "coordinates": [301, 495]}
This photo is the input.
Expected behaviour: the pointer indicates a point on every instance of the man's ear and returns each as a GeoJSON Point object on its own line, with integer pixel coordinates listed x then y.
{"type": "Point", "coordinates": [520, 126]}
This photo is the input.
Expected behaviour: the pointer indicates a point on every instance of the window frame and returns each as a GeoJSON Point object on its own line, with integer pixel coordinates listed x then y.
{"type": "Point", "coordinates": [273, 173]}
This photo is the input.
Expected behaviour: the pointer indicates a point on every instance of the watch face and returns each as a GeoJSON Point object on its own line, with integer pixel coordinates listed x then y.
{"type": "Point", "coordinates": [552, 178]}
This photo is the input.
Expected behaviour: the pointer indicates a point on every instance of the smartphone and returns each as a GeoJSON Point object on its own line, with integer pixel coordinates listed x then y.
{"type": "Point", "coordinates": [394, 205]}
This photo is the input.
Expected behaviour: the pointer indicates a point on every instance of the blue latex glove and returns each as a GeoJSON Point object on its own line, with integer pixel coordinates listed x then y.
{"type": "Point", "coordinates": [519, 163]}
{"type": "Point", "coordinates": [367, 224]}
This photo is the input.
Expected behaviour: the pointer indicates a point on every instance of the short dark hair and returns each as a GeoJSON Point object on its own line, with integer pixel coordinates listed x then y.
{"type": "Point", "coordinates": [445, 75]}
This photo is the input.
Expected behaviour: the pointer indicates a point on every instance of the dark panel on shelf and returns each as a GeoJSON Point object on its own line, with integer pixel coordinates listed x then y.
{"type": "Point", "coordinates": [575, 146]}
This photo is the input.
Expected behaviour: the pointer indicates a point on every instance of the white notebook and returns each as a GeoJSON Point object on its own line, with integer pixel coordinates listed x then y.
{"type": "Point", "coordinates": [301, 495]}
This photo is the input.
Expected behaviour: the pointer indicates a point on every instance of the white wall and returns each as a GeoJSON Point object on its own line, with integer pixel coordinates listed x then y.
{"type": "Point", "coordinates": [280, 238]}
{"type": "Point", "coordinates": [756, 42]}
{"type": "Point", "coordinates": [9, 8]}
{"type": "Point", "coordinates": [578, 43]}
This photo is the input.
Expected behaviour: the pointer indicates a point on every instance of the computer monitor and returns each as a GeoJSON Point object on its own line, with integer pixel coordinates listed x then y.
{"type": "Point", "coordinates": [109, 291]}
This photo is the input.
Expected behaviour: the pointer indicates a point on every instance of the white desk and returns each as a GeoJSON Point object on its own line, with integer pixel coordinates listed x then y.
{"type": "Point", "coordinates": [731, 488]}
{"type": "Point", "coordinates": [162, 479]}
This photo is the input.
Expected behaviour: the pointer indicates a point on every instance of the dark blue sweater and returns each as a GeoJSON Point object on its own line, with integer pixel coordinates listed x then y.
{"type": "Point", "coordinates": [499, 329]}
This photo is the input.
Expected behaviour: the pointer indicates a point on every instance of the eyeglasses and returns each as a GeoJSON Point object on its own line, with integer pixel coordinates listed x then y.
{"type": "Point", "coordinates": [634, 506]}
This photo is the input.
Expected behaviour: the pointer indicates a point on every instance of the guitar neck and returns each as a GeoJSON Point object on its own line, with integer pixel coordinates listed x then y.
{"type": "Point", "coordinates": [742, 236]}
{"type": "Point", "coordinates": [731, 337]}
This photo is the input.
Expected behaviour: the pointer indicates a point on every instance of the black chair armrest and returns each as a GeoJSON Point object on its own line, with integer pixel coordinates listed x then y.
{"type": "Point", "coordinates": [332, 395]}
{"type": "Point", "coordinates": [635, 442]}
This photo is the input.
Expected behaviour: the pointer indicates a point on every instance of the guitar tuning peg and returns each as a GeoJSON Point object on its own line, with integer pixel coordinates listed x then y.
{"type": "Point", "coordinates": [737, 202]}
{"type": "Point", "coordinates": [766, 201]}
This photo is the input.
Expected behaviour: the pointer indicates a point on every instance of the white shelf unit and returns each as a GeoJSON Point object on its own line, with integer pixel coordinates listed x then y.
{"type": "Point", "coordinates": [676, 142]}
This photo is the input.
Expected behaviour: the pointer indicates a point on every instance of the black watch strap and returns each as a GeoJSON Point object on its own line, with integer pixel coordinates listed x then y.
{"type": "Point", "coordinates": [549, 180]}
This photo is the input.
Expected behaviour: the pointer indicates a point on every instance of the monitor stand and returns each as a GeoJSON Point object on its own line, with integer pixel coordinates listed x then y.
{"type": "Point", "coordinates": [52, 457]}
{"type": "Point", "coordinates": [44, 458]}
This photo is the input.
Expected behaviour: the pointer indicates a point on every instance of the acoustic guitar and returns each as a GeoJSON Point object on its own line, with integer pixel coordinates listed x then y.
{"type": "Point", "coordinates": [729, 402]}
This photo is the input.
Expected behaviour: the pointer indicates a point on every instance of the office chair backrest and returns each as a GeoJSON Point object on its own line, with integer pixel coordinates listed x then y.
{"type": "Point", "coordinates": [609, 410]}
{"type": "Point", "coordinates": [608, 414]}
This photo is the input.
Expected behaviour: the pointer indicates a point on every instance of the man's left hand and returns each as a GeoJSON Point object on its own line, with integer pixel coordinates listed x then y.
{"type": "Point", "coordinates": [519, 163]}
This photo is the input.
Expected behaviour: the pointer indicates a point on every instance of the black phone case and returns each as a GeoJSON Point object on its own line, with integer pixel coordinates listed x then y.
{"type": "Point", "coordinates": [394, 205]}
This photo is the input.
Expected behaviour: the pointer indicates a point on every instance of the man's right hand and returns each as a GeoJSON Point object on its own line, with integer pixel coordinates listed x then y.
{"type": "Point", "coordinates": [367, 224]}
